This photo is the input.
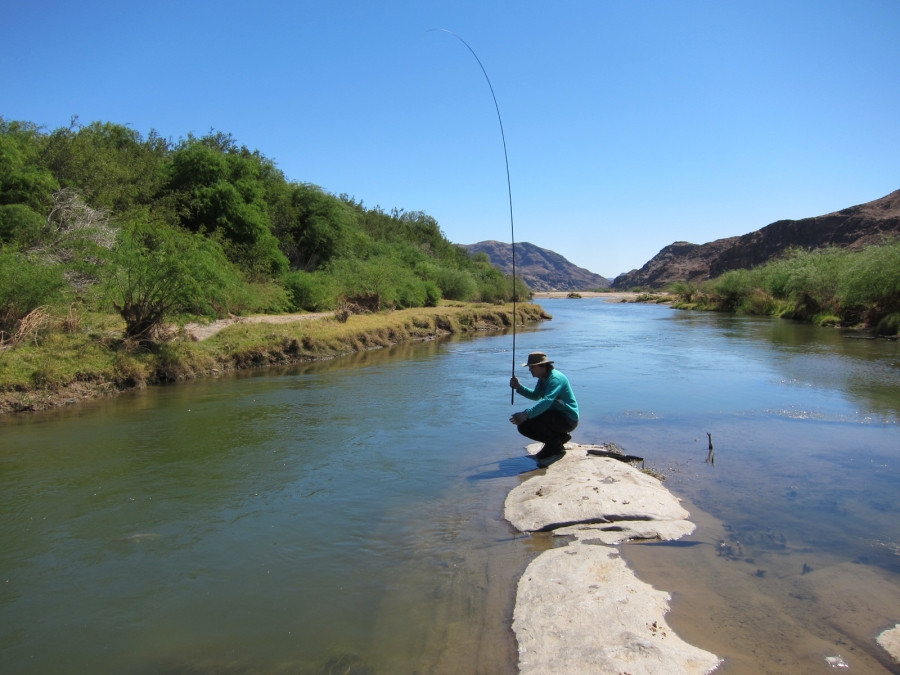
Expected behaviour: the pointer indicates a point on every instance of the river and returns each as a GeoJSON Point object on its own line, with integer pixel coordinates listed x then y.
{"type": "Point", "coordinates": [346, 517]}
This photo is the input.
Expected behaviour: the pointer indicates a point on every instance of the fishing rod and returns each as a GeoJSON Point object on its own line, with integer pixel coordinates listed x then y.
{"type": "Point", "coordinates": [512, 229]}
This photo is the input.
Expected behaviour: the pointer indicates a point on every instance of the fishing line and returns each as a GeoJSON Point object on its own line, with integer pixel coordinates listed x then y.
{"type": "Point", "coordinates": [512, 229]}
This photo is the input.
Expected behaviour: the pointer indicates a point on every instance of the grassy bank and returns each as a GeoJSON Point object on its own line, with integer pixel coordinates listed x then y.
{"type": "Point", "coordinates": [828, 287]}
{"type": "Point", "coordinates": [62, 366]}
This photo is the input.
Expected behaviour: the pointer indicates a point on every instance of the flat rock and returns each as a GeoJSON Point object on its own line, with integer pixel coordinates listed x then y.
{"type": "Point", "coordinates": [580, 609]}
{"type": "Point", "coordinates": [658, 530]}
{"type": "Point", "coordinates": [890, 641]}
{"type": "Point", "coordinates": [580, 488]}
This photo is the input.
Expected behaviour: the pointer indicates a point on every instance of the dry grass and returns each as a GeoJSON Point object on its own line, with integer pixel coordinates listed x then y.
{"type": "Point", "coordinates": [68, 364]}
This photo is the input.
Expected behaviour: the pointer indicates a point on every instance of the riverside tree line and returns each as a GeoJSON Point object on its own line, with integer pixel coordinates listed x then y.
{"type": "Point", "coordinates": [99, 218]}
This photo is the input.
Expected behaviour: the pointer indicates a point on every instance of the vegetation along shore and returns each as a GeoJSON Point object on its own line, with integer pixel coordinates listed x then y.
{"type": "Point", "coordinates": [828, 286]}
{"type": "Point", "coordinates": [110, 242]}
{"type": "Point", "coordinates": [65, 365]}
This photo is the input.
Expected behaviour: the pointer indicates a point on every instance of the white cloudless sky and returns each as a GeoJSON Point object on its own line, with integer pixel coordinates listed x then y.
{"type": "Point", "coordinates": [629, 125]}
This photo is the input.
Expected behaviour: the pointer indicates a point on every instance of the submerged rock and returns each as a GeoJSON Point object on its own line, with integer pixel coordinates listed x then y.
{"type": "Point", "coordinates": [579, 608]}
{"type": "Point", "coordinates": [890, 641]}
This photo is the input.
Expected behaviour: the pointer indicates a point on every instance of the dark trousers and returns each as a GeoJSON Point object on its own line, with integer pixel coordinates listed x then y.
{"type": "Point", "coordinates": [551, 427]}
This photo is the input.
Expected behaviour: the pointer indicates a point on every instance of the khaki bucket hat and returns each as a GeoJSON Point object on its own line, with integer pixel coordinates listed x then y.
{"type": "Point", "coordinates": [537, 359]}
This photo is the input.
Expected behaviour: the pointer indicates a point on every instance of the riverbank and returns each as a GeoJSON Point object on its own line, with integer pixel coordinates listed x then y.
{"type": "Point", "coordinates": [62, 368]}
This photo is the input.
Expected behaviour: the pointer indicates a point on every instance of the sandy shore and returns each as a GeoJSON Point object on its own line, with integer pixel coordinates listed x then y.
{"type": "Point", "coordinates": [609, 297]}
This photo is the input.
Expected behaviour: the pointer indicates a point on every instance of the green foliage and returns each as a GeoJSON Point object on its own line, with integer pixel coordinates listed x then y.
{"type": "Point", "coordinates": [826, 286]}
{"type": "Point", "coordinates": [20, 224]}
{"type": "Point", "coordinates": [384, 278]}
{"type": "Point", "coordinates": [222, 193]}
{"type": "Point", "coordinates": [732, 287]}
{"type": "Point", "coordinates": [114, 166]}
{"type": "Point", "coordinates": [454, 284]}
{"type": "Point", "coordinates": [64, 194]}
{"type": "Point", "coordinates": [25, 285]}
{"type": "Point", "coordinates": [872, 278]}
{"type": "Point", "coordinates": [313, 226]}
{"type": "Point", "coordinates": [158, 272]}
{"type": "Point", "coordinates": [311, 291]}
{"type": "Point", "coordinates": [889, 325]}
{"type": "Point", "coordinates": [23, 180]}
{"type": "Point", "coordinates": [685, 290]}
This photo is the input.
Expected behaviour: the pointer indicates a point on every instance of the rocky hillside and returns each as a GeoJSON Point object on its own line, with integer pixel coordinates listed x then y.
{"type": "Point", "coordinates": [852, 227]}
{"type": "Point", "coordinates": [541, 269]}
{"type": "Point", "coordinates": [681, 261]}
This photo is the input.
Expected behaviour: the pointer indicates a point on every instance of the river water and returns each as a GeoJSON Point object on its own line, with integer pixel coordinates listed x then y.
{"type": "Point", "coordinates": [346, 517]}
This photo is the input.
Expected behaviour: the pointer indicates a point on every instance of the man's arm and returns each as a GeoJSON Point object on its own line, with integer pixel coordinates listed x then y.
{"type": "Point", "coordinates": [522, 389]}
{"type": "Point", "coordinates": [554, 387]}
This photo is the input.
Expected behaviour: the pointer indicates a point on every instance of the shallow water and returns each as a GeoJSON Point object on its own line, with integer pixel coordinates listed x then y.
{"type": "Point", "coordinates": [347, 516]}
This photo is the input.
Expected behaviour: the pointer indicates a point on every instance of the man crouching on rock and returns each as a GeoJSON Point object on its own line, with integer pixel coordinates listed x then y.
{"type": "Point", "coordinates": [554, 416]}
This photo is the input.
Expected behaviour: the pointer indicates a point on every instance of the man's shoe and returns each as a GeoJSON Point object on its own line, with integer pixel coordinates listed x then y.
{"type": "Point", "coordinates": [544, 462]}
{"type": "Point", "coordinates": [549, 450]}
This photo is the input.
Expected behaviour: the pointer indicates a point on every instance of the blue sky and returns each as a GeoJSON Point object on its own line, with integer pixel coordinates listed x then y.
{"type": "Point", "coordinates": [629, 125]}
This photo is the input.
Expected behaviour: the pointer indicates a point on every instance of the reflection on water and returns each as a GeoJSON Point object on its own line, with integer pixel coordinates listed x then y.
{"type": "Point", "coordinates": [347, 516]}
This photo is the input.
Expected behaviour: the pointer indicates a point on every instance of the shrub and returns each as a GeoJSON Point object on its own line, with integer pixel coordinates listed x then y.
{"type": "Point", "coordinates": [685, 290]}
{"type": "Point", "coordinates": [310, 291]}
{"type": "Point", "coordinates": [25, 285]}
{"type": "Point", "coordinates": [872, 277]}
{"type": "Point", "coordinates": [158, 272]}
{"type": "Point", "coordinates": [260, 297]}
{"type": "Point", "coordinates": [889, 325]}
{"type": "Point", "coordinates": [20, 224]}
{"type": "Point", "coordinates": [456, 284]}
{"type": "Point", "coordinates": [432, 294]}
{"type": "Point", "coordinates": [813, 277]}
{"type": "Point", "coordinates": [731, 288]}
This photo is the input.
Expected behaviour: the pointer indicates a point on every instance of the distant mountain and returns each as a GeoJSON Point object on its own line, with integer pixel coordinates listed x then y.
{"type": "Point", "coordinates": [542, 270]}
{"type": "Point", "coordinates": [681, 261]}
{"type": "Point", "coordinates": [852, 227]}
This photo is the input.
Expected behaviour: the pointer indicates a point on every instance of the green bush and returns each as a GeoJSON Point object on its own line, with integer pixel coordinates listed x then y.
{"type": "Point", "coordinates": [26, 285]}
{"type": "Point", "coordinates": [20, 224]}
{"type": "Point", "coordinates": [455, 284]}
{"type": "Point", "coordinates": [889, 325]}
{"type": "Point", "coordinates": [872, 278]}
{"type": "Point", "coordinates": [310, 291]}
{"type": "Point", "coordinates": [732, 288]}
{"type": "Point", "coordinates": [157, 272]}
{"type": "Point", "coordinates": [685, 290]}
{"type": "Point", "coordinates": [260, 298]}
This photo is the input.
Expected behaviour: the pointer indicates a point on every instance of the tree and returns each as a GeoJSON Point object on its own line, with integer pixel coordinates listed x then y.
{"type": "Point", "coordinates": [223, 193]}
{"type": "Point", "coordinates": [158, 272]}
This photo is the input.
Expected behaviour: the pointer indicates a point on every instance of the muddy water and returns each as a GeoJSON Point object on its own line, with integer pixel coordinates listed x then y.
{"type": "Point", "coordinates": [347, 517]}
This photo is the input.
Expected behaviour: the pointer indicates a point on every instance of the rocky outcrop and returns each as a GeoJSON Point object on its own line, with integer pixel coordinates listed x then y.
{"type": "Point", "coordinates": [853, 227]}
{"type": "Point", "coordinates": [579, 608]}
{"type": "Point", "coordinates": [542, 270]}
{"type": "Point", "coordinates": [890, 642]}
{"type": "Point", "coordinates": [681, 261]}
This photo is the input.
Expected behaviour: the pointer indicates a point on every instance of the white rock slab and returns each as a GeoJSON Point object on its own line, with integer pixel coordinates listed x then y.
{"type": "Point", "coordinates": [659, 530]}
{"type": "Point", "coordinates": [890, 641]}
{"type": "Point", "coordinates": [579, 609]}
{"type": "Point", "coordinates": [580, 488]}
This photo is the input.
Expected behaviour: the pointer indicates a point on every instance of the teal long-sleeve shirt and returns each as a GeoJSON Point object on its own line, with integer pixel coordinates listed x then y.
{"type": "Point", "coordinates": [552, 392]}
